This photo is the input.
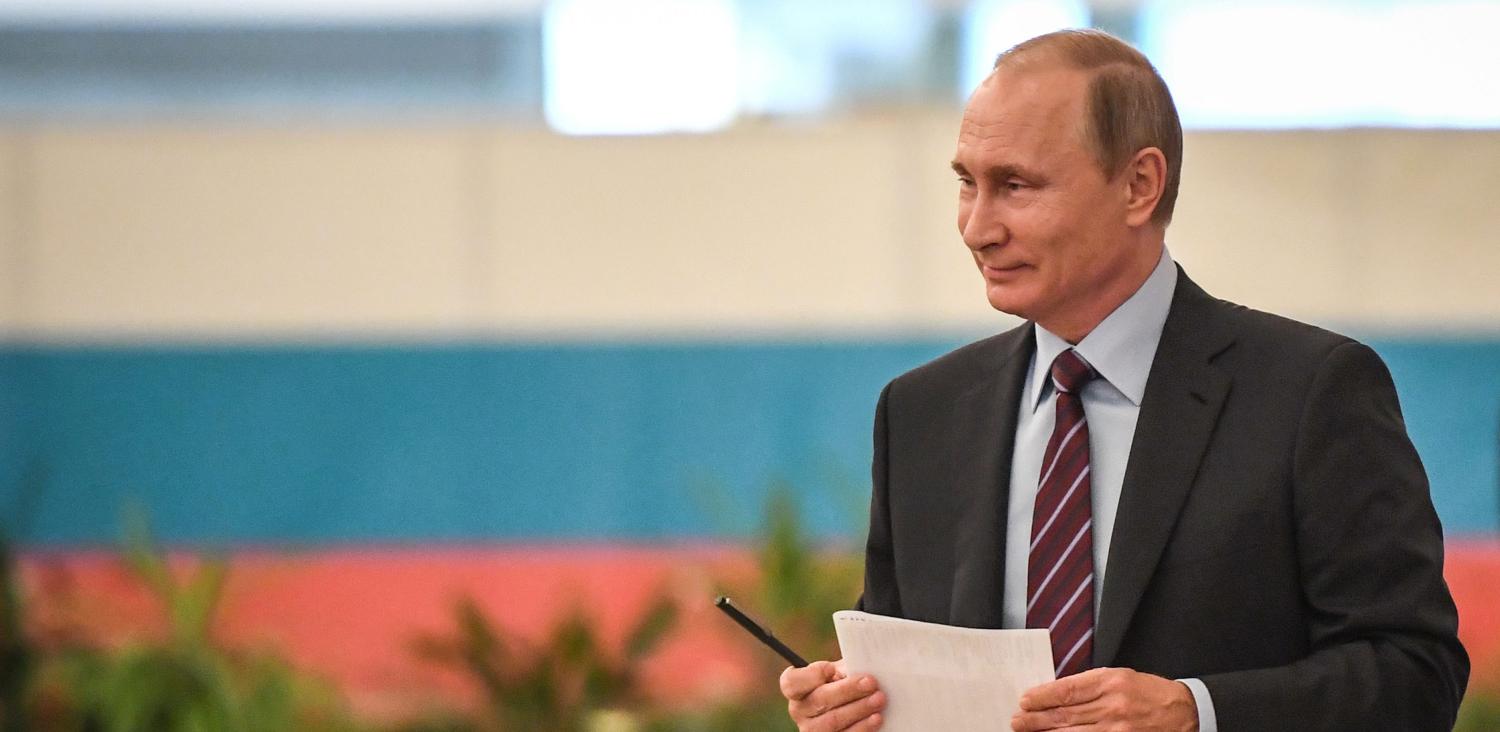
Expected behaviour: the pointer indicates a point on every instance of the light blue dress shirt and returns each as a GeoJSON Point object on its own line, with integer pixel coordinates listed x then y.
{"type": "Point", "coordinates": [1120, 349]}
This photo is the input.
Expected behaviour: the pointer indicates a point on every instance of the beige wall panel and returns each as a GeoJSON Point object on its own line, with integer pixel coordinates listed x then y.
{"type": "Point", "coordinates": [13, 251]}
{"type": "Point", "coordinates": [759, 229]}
{"type": "Point", "coordinates": [1263, 219]}
{"type": "Point", "coordinates": [1430, 217]}
{"type": "Point", "coordinates": [846, 225]}
{"type": "Point", "coordinates": [185, 231]}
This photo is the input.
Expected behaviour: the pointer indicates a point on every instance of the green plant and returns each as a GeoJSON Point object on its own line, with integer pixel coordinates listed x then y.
{"type": "Point", "coordinates": [564, 684]}
{"type": "Point", "coordinates": [1480, 711]}
{"type": "Point", "coordinates": [187, 682]}
{"type": "Point", "coordinates": [797, 589]}
{"type": "Point", "coordinates": [17, 654]}
{"type": "Point", "coordinates": [1478, 714]}
{"type": "Point", "coordinates": [801, 584]}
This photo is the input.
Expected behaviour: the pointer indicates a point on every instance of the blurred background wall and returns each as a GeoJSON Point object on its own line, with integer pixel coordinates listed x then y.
{"type": "Point", "coordinates": [500, 293]}
{"type": "Point", "coordinates": [438, 329]}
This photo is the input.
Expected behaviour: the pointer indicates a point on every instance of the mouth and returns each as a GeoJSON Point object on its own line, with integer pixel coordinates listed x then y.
{"type": "Point", "coordinates": [1000, 272]}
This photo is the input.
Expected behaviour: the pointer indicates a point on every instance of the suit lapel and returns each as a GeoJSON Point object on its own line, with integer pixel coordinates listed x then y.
{"type": "Point", "coordinates": [981, 478]}
{"type": "Point", "coordinates": [1184, 394]}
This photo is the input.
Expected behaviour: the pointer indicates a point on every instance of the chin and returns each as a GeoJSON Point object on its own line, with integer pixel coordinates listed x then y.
{"type": "Point", "coordinates": [1007, 300]}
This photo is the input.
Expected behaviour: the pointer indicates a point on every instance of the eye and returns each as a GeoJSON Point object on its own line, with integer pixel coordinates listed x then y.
{"type": "Point", "coordinates": [1015, 185]}
{"type": "Point", "coordinates": [965, 181]}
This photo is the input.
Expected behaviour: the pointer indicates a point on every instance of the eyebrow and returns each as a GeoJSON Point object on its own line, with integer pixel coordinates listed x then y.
{"type": "Point", "coordinates": [1001, 172]}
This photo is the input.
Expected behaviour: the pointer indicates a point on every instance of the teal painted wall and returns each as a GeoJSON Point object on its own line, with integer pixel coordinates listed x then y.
{"type": "Point", "coordinates": [626, 442]}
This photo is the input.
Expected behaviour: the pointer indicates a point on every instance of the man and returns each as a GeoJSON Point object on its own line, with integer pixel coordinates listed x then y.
{"type": "Point", "coordinates": [1217, 512]}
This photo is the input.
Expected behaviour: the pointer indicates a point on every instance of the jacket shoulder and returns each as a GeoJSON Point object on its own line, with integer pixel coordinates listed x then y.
{"type": "Point", "coordinates": [1263, 337]}
{"type": "Point", "coordinates": [1278, 338]}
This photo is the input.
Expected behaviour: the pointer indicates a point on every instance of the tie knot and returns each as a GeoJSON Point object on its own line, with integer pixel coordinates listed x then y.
{"type": "Point", "coordinates": [1070, 372]}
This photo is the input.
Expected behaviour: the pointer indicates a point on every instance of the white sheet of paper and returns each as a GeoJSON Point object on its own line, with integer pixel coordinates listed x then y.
{"type": "Point", "coordinates": [939, 677]}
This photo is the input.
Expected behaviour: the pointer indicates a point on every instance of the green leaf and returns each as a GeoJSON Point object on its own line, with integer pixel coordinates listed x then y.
{"type": "Point", "coordinates": [574, 642]}
{"type": "Point", "coordinates": [144, 559]}
{"type": "Point", "coordinates": [652, 628]}
{"type": "Point", "coordinates": [193, 606]}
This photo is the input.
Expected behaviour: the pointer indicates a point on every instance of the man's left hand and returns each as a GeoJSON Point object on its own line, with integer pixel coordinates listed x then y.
{"type": "Point", "coordinates": [1108, 699]}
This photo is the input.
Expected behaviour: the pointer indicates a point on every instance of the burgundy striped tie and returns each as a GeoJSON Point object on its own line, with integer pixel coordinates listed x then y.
{"type": "Point", "coordinates": [1060, 571]}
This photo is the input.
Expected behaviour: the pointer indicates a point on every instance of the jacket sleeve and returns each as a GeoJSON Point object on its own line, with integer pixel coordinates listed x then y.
{"type": "Point", "coordinates": [880, 594]}
{"type": "Point", "coordinates": [1383, 630]}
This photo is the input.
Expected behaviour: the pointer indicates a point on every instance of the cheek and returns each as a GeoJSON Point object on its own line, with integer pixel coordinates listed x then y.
{"type": "Point", "coordinates": [1059, 248]}
{"type": "Point", "coordinates": [1043, 210]}
{"type": "Point", "coordinates": [1045, 230]}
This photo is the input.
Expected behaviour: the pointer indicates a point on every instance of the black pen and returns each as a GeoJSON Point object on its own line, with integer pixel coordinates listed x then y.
{"type": "Point", "coordinates": [760, 633]}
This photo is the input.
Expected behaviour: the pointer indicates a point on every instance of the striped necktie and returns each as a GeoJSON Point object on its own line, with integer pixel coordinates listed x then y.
{"type": "Point", "coordinates": [1060, 568]}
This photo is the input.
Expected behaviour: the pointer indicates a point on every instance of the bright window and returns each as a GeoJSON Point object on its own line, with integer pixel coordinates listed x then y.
{"type": "Point", "coordinates": [1328, 64]}
{"type": "Point", "coordinates": [640, 67]}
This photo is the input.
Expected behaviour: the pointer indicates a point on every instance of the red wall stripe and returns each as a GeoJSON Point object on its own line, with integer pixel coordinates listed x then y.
{"type": "Point", "coordinates": [353, 615]}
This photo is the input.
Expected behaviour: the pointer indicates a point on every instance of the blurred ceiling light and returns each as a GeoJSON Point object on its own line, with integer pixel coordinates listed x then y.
{"type": "Point", "coordinates": [995, 25]}
{"type": "Point", "coordinates": [1440, 63]}
{"type": "Point", "coordinates": [1328, 64]}
{"type": "Point", "coordinates": [642, 67]}
{"type": "Point", "coordinates": [799, 57]}
{"type": "Point", "coordinates": [257, 11]}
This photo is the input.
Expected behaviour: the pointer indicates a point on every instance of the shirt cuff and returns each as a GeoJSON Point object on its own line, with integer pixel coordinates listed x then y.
{"type": "Point", "coordinates": [1207, 722]}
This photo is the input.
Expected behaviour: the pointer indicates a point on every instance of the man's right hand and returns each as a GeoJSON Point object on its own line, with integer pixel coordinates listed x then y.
{"type": "Point", "coordinates": [822, 698]}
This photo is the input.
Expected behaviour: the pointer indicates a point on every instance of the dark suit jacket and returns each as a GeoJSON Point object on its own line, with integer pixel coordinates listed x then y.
{"type": "Point", "coordinates": [1275, 535]}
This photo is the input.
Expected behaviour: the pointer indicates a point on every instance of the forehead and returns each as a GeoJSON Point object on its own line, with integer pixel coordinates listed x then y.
{"type": "Point", "coordinates": [1029, 114]}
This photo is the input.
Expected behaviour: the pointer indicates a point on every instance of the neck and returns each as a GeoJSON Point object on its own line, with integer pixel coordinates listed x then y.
{"type": "Point", "coordinates": [1074, 326]}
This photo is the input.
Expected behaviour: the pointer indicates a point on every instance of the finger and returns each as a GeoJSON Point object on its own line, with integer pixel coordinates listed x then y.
{"type": "Point", "coordinates": [852, 716]}
{"type": "Point", "coordinates": [841, 669]}
{"type": "Point", "coordinates": [1050, 719]}
{"type": "Point", "coordinates": [1073, 728]}
{"type": "Point", "coordinates": [833, 695]}
{"type": "Point", "coordinates": [869, 724]}
{"type": "Point", "coordinates": [1075, 689]}
{"type": "Point", "coordinates": [1036, 721]}
{"type": "Point", "coordinates": [797, 683]}
{"type": "Point", "coordinates": [1058, 718]}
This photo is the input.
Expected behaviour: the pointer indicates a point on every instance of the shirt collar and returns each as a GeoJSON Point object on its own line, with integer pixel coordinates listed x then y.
{"type": "Point", "coordinates": [1121, 347]}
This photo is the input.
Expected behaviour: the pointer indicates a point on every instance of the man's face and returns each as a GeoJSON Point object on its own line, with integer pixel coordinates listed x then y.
{"type": "Point", "coordinates": [1045, 226]}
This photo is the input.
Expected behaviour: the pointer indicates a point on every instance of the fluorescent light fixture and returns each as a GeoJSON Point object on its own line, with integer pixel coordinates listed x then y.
{"type": "Point", "coordinates": [257, 11]}
{"type": "Point", "coordinates": [642, 67]}
{"type": "Point", "coordinates": [1328, 64]}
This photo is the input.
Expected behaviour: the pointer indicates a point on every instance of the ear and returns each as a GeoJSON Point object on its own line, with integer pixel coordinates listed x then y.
{"type": "Point", "coordinates": [1145, 181]}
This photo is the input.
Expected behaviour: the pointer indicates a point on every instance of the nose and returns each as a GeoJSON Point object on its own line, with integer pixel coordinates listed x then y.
{"type": "Point", "coordinates": [980, 223]}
